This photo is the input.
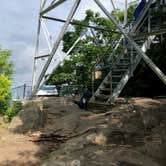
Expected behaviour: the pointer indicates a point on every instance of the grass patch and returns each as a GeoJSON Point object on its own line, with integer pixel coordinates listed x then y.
{"type": "Point", "coordinates": [4, 125]}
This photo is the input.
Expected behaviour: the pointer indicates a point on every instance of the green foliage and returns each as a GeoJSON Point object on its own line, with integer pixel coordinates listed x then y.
{"type": "Point", "coordinates": [5, 84]}
{"type": "Point", "coordinates": [13, 111]}
{"type": "Point", "coordinates": [61, 78]}
{"type": "Point", "coordinates": [6, 66]}
{"type": "Point", "coordinates": [3, 124]}
{"type": "Point", "coordinates": [87, 52]}
{"type": "Point", "coordinates": [9, 114]}
{"type": "Point", "coordinates": [79, 68]}
{"type": "Point", "coordinates": [6, 70]}
{"type": "Point", "coordinates": [131, 10]}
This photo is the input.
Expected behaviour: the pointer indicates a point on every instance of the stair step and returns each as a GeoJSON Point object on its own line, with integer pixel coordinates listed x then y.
{"type": "Point", "coordinates": [114, 84]}
{"type": "Point", "coordinates": [107, 84]}
{"type": "Point", "coordinates": [124, 60]}
{"type": "Point", "coordinates": [116, 77]}
{"type": "Point", "coordinates": [105, 91]}
{"type": "Point", "coordinates": [123, 64]}
{"type": "Point", "coordinates": [101, 96]}
{"type": "Point", "coordinates": [122, 67]}
{"type": "Point", "coordinates": [118, 71]}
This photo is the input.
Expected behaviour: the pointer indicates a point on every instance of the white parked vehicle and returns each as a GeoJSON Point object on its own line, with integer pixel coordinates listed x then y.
{"type": "Point", "coordinates": [47, 90]}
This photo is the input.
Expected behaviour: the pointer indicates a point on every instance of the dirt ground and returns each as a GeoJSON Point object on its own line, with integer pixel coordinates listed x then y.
{"type": "Point", "coordinates": [18, 150]}
{"type": "Point", "coordinates": [132, 133]}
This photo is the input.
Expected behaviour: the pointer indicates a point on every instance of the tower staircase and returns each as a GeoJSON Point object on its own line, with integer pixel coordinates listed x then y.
{"type": "Point", "coordinates": [122, 62]}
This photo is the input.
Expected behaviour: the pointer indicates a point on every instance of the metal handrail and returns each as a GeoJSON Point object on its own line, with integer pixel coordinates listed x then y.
{"type": "Point", "coordinates": [111, 66]}
{"type": "Point", "coordinates": [127, 25]}
{"type": "Point", "coordinates": [114, 48]}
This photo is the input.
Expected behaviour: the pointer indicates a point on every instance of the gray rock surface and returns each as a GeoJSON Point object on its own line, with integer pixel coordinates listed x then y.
{"type": "Point", "coordinates": [30, 118]}
{"type": "Point", "coordinates": [130, 134]}
{"type": "Point", "coordinates": [126, 135]}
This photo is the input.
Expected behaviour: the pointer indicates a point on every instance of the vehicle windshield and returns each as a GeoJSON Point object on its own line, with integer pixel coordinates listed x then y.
{"type": "Point", "coordinates": [48, 88]}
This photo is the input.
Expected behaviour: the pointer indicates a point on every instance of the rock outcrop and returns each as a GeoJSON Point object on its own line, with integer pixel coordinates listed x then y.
{"type": "Point", "coordinates": [127, 134]}
{"type": "Point", "coordinates": [30, 118]}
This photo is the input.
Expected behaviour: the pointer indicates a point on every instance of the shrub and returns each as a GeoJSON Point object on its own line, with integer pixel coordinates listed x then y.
{"type": "Point", "coordinates": [4, 94]}
{"type": "Point", "coordinates": [13, 111]}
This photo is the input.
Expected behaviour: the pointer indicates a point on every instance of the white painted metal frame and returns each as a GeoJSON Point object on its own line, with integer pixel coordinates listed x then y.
{"type": "Point", "coordinates": [44, 10]}
{"type": "Point", "coordinates": [57, 43]}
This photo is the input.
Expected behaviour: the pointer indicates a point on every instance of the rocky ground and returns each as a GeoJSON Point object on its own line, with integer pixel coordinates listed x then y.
{"type": "Point", "coordinates": [55, 132]}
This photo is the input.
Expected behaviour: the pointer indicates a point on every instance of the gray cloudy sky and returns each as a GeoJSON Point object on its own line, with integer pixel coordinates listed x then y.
{"type": "Point", "coordinates": [18, 33]}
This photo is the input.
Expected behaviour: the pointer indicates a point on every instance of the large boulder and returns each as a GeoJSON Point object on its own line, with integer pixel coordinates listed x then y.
{"type": "Point", "coordinates": [60, 115]}
{"type": "Point", "coordinates": [30, 118]}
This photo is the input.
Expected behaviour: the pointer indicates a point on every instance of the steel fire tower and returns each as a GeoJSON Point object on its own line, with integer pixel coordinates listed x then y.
{"type": "Point", "coordinates": [148, 25]}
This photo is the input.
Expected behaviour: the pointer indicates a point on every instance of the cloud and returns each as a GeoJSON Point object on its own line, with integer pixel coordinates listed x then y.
{"type": "Point", "coordinates": [18, 30]}
{"type": "Point", "coordinates": [23, 63]}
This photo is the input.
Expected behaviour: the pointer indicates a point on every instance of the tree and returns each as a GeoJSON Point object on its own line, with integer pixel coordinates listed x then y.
{"type": "Point", "coordinates": [87, 52]}
{"type": "Point", "coordinates": [6, 65]}
{"type": "Point", "coordinates": [6, 70]}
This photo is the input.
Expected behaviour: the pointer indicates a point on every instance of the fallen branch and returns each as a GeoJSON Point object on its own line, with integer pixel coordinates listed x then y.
{"type": "Point", "coordinates": [48, 137]}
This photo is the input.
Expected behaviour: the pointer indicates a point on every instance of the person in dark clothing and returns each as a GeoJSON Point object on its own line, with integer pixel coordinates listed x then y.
{"type": "Point", "coordinates": [58, 87]}
{"type": "Point", "coordinates": [83, 102]}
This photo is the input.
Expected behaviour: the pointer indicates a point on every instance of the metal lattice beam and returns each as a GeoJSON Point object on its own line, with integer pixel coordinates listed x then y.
{"type": "Point", "coordinates": [56, 45]}
{"type": "Point", "coordinates": [79, 24]}
{"type": "Point", "coordinates": [52, 6]}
